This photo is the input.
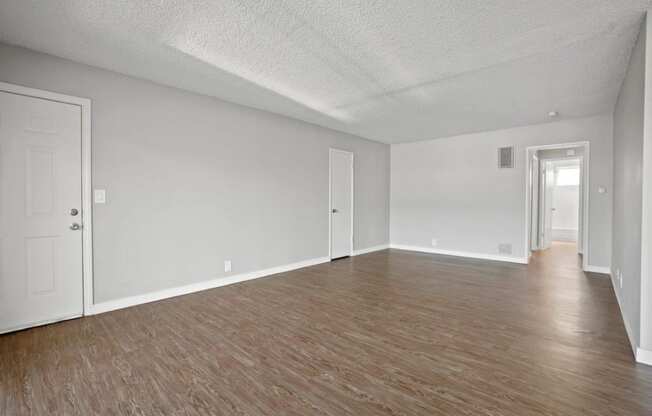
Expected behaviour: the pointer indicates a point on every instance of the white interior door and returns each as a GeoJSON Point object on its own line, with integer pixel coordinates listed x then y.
{"type": "Point", "coordinates": [40, 211]}
{"type": "Point", "coordinates": [580, 216]}
{"type": "Point", "coordinates": [548, 209]}
{"type": "Point", "coordinates": [341, 183]}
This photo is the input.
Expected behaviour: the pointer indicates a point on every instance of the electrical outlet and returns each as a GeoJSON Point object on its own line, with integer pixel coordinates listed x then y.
{"type": "Point", "coordinates": [434, 242]}
{"type": "Point", "coordinates": [621, 280]}
{"type": "Point", "coordinates": [227, 265]}
{"type": "Point", "coordinates": [505, 248]}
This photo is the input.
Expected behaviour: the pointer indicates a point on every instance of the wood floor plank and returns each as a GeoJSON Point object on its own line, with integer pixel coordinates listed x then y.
{"type": "Point", "coordinates": [387, 333]}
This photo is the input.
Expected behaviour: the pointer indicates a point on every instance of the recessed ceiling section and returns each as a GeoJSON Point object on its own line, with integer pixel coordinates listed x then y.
{"type": "Point", "coordinates": [391, 71]}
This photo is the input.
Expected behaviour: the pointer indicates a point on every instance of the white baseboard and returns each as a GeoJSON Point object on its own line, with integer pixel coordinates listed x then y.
{"type": "Point", "coordinates": [628, 328]}
{"type": "Point", "coordinates": [644, 356]}
{"type": "Point", "coordinates": [510, 259]}
{"type": "Point", "coordinates": [370, 249]}
{"type": "Point", "coordinates": [196, 287]}
{"type": "Point", "coordinates": [597, 269]}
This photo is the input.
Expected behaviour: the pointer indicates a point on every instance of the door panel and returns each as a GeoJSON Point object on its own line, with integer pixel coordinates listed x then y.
{"type": "Point", "coordinates": [534, 203]}
{"type": "Point", "coordinates": [549, 183]}
{"type": "Point", "coordinates": [40, 182]}
{"type": "Point", "coordinates": [341, 203]}
{"type": "Point", "coordinates": [580, 214]}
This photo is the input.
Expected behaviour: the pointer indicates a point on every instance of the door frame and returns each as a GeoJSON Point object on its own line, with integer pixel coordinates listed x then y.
{"type": "Point", "coordinates": [330, 198]}
{"type": "Point", "coordinates": [86, 177]}
{"type": "Point", "coordinates": [585, 185]}
{"type": "Point", "coordinates": [545, 201]}
{"type": "Point", "coordinates": [534, 172]}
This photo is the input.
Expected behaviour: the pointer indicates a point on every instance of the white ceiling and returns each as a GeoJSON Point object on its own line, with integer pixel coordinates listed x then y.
{"type": "Point", "coordinates": [387, 70]}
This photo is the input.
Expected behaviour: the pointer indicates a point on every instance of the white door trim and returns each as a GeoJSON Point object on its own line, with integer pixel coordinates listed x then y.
{"type": "Point", "coordinates": [585, 188]}
{"type": "Point", "coordinates": [330, 198]}
{"type": "Point", "coordinates": [87, 207]}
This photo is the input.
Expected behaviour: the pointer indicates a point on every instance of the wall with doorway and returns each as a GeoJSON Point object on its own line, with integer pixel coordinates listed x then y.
{"type": "Point", "coordinates": [451, 190]}
{"type": "Point", "coordinates": [192, 181]}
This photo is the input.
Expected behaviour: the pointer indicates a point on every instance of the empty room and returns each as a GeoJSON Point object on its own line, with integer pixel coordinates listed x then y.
{"type": "Point", "coordinates": [388, 207]}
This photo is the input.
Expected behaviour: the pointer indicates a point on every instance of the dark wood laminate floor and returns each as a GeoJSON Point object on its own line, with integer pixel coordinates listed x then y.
{"type": "Point", "coordinates": [388, 333]}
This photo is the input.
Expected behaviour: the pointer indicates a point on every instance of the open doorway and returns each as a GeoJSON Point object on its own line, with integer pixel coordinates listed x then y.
{"type": "Point", "coordinates": [557, 199]}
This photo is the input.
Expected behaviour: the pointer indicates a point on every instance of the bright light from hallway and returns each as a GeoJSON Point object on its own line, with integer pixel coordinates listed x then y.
{"type": "Point", "coordinates": [568, 176]}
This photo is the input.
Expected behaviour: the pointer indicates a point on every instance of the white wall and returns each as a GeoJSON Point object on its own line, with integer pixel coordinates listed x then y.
{"type": "Point", "coordinates": [627, 201]}
{"type": "Point", "coordinates": [192, 180]}
{"type": "Point", "coordinates": [451, 189]}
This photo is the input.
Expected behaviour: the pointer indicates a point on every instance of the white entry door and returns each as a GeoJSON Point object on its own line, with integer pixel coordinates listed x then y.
{"type": "Point", "coordinates": [341, 182]}
{"type": "Point", "coordinates": [40, 212]}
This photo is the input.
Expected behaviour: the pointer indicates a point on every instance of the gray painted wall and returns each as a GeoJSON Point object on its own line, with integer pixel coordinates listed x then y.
{"type": "Point", "coordinates": [451, 189]}
{"type": "Point", "coordinates": [192, 181]}
{"type": "Point", "coordinates": [628, 168]}
{"type": "Point", "coordinates": [645, 350]}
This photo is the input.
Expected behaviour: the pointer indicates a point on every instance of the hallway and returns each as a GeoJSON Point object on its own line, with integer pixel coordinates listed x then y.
{"type": "Point", "coordinates": [561, 254]}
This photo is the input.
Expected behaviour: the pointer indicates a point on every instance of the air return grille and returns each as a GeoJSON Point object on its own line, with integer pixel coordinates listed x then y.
{"type": "Point", "coordinates": [506, 157]}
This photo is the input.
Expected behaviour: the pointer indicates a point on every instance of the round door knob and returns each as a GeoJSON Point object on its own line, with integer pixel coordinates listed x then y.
{"type": "Point", "coordinates": [74, 212]}
{"type": "Point", "coordinates": [74, 226]}
{"type": "Point", "coordinates": [334, 211]}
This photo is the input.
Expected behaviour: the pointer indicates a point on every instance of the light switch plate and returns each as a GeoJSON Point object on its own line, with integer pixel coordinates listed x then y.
{"type": "Point", "coordinates": [99, 196]}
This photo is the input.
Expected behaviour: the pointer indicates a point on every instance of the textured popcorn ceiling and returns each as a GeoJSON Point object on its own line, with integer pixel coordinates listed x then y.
{"type": "Point", "coordinates": [387, 70]}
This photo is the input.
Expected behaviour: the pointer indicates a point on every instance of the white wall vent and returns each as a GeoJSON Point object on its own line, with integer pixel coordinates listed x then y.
{"type": "Point", "coordinates": [506, 157]}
